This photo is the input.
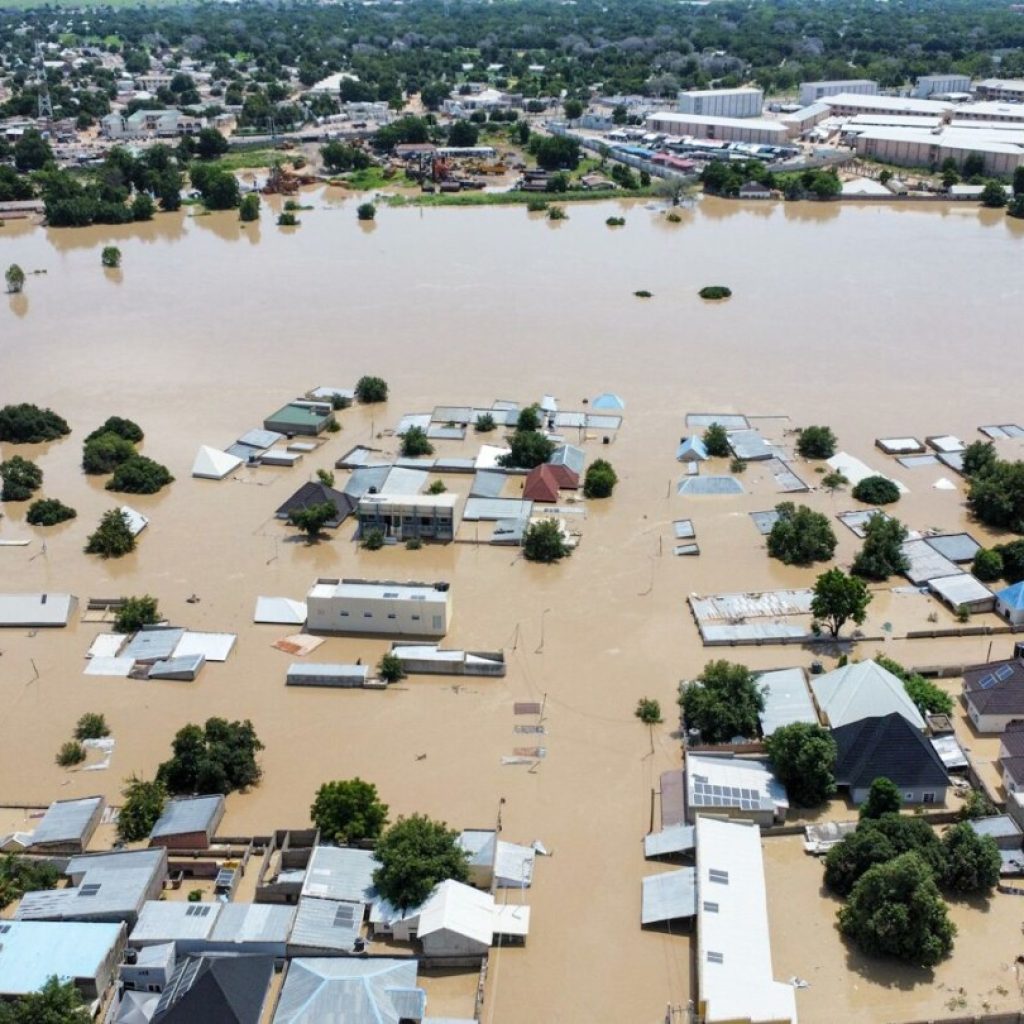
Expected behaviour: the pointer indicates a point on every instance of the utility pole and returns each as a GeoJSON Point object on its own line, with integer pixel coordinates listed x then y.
{"type": "Point", "coordinates": [44, 106]}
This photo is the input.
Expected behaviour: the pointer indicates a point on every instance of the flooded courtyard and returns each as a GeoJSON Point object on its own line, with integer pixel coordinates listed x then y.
{"type": "Point", "coordinates": [877, 320]}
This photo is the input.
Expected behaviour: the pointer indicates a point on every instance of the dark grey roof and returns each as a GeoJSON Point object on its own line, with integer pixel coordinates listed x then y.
{"type": "Point", "coordinates": [1014, 767]}
{"type": "Point", "coordinates": [888, 747]}
{"type": "Point", "coordinates": [189, 814]}
{"type": "Point", "coordinates": [69, 821]}
{"type": "Point", "coordinates": [996, 688]}
{"type": "Point", "coordinates": [957, 547]}
{"type": "Point", "coordinates": [316, 493]}
{"type": "Point", "coordinates": [1013, 740]}
{"type": "Point", "coordinates": [216, 990]}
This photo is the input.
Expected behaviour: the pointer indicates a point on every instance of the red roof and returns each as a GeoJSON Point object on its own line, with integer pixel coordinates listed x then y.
{"type": "Point", "coordinates": [541, 484]}
{"type": "Point", "coordinates": [568, 479]}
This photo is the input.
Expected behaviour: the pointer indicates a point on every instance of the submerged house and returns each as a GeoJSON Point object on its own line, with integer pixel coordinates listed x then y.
{"type": "Point", "coordinates": [1010, 604]}
{"type": "Point", "coordinates": [354, 607]}
{"type": "Point", "coordinates": [410, 516]}
{"type": "Point", "coordinates": [542, 484]}
{"type": "Point", "coordinates": [994, 694]}
{"type": "Point", "coordinates": [740, 787]}
{"type": "Point", "coordinates": [188, 823]}
{"type": "Point", "coordinates": [68, 825]}
{"type": "Point", "coordinates": [692, 449]}
{"type": "Point", "coordinates": [317, 493]}
{"type": "Point", "coordinates": [862, 690]}
{"type": "Point", "coordinates": [307, 418]}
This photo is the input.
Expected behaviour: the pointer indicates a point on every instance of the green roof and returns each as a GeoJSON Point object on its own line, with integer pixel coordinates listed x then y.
{"type": "Point", "coordinates": [298, 415]}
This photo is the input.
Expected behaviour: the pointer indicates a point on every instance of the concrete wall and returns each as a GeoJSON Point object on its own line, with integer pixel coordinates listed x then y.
{"type": "Point", "coordinates": [447, 943]}
{"type": "Point", "coordinates": [911, 797]}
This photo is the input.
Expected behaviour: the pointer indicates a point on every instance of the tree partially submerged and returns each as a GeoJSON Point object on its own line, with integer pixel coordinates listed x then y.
{"type": "Point", "coordinates": [91, 726]}
{"type": "Point", "coordinates": [21, 479]}
{"type": "Point", "coordinates": [882, 554]}
{"type": "Point", "coordinates": [390, 668]}
{"type": "Point", "coordinates": [723, 702]}
{"type": "Point", "coordinates": [139, 475]}
{"type": "Point", "coordinates": [543, 542]}
{"type": "Point", "coordinates": [804, 760]}
{"type": "Point", "coordinates": [218, 757]}
{"type": "Point", "coordinates": [371, 389]}
{"type": "Point", "coordinates": [838, 599]}
{"type": "Point", "coordinates": [28, 424]}
{"type": "Point", "coordinates": [415, 443]}
{"type": "Point", "coordinates": [876, 490]}
{"type": "Point", "coordinates": [415, 855]}
{"type": "Point", "coordinates": [527, 449]}
{"type": "Point", "coordinates": [118, 425]}
{"type": "Point", "coordinates": [600, 479]}
{"type": "Point", "coordinates": [348, 811]}
{"type": "Point", "coordinates": [311, 519]}
{"type": "Point", "coordinates": [883, 798]}
{"type": "Point", "coordinates": [800, 536]}
{"type": "Point", "coordinates": [141, 808]}
{"type": "Point", "coordinates": [972, 862]}
{"type": "Point", "coordinates": [103, 453]}
{"type": "Point", "coordinates": [816, 442]}
{"type": "Point", "coordinates": [648, 711]}
{"type": "Point", "coordinates": [135, 612]}
{"type": "Point", "coordinates": [716, 441]}
{"type": "Point", "coordinates": [113, 537]}
{"type": "Point", "coordinates": [49, 512]}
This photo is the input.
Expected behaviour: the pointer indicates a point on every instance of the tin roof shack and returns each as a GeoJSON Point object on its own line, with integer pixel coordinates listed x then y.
{"type": "Point", "coordinates": [429, 659]}
{"type": "Point", "coordinates": [188, 823]}
{"type": "Point", "coordinates": [283, 871]}
{"type": "Point", "coordinates": [68, 825]}
{"type": "Point", "coordinates": [735, 981]}
{"type": "Point", "coordinates": [670, 896]}
{"type": "Point", "coordinates": [326, 927]}
{"type": "Point", "coordinates": [148, 969]}
{"type": "Point", "coordinates": [251, 929]}
{"type": "Point", "coordinates": [322, 674]}
{"type": "Point", "coordinates": [36, 610]}
{"type": "Point", "coordinates": [379, 991]}
{"type": "Point", "coordinates": [359, 607]}
{"type": "Point", "coordinates": [410, 516]}
{"type": "Point", "coordinates": [32, 952]}
{"type": "Point", "coordinates": [216, 990]}
{"type": "Point", "coordinates": [104, 887]}
{"type": "Point", "coordinates": [341, 873]}
{"type": "Point", "coordinates": [316, 493]}
{"type": "Point", "coordinates": [740, 787]}
{"type": "Point", "coordinates": [890, 747]}
{"type": "Point", "coordinates": [786, 699]}
{"type": "Point", "coordinates": [307, 418]}
{"type": "Point", "coordinates": [994, 694]}
{"type": "Point", "coordinates": [963, 591]}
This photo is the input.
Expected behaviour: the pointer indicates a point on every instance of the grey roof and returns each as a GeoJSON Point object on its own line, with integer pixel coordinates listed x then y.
{"type": "Point", "coordinates": [701, 485]}
{"type": "Point", "coordinates": [1002, 431]}
{"type": "Point", "coordinates": [686, 549]}
{"type": "Point", "coordinates": [362, 479]}
{"type": "Point", "coordinates": [256, 923]}
{"type": "Point", "coordinates": [963, 589]}
{"type": "Point", "coordinates": [509, 531]}
{"type": "Point", "coordinates": [673, 839]}
{"type": "Point", "coordinates": [410, 420]}
{"type": "Point", "coordinates": [323, 674]}
{"type": "Point", "coordinates": [924, 563]}
{"type": "Point", "coordinates": [174, 921]}
{"type": "Point", "coordinates": [328, 925]}
{"type": "Point", "coordinates": [452, 414]}
{"type": "Point", "coordinates": [437, 432]}
{"type": "Point", "coordinates": [957, 547]}
{"type": "Point", "coordinates": [315, 492]}
{"type": "Point", "coordinates": [495, 509]}
{"type": "Point", "coordinates": [669, 896]}
{"type": "Point", "coordinates": [155, 644]}
{"type": "Point", "coordinates": [955, 460]}
{"type": "Point", "coordinates": [189, 814]}
{"type": "Point", "coordinates": [730, 421]}
{"type": "Point", "coordinates": [785, 479]}
{"type": "Point", "coordinates": [69, 821]}
{"type": "Point", "coordinates": [260, 438]}
{"type": "Point", "coordinates": [340, 873]}
{"type": "Point", "coordinates": [786, 699]}
{"type": "Point", "coordinates": [242, 451]}
{"type": "Point", "coordinates": [857, 520]}
{"type": "Point", "coordinates": [36, 609]}
{"type": "Point", "coordinates": [360, 455]}
{"type": "Point", "coordinates": [683, 528]}
{"type": "Point", "coordinates": [404, 481]}
{"type": "Point", "coordinates": [999, 826]}
{"type": "Point", "coordinates": [487, 484]}
{"type": "Point", "coordinates": [602, 422]}
{"type": "Point", "coordinates": [449, 465]}
{"type": "Point", "coordinates": [569, 455]}
{"type": "Point", "coordinates": [949, 750]}
{"type": "Point", "coordinates": [917, 461]}
{"type": "Point", "coordinates": [996, 688]}
{"type": "Point", "coordinates": [186, 667]}
{"type": "Point", "coordinates": [136, 1007]}
{"type": "Point", "coordinates": [764, 521]}
{"type": "Point", "coordinates": [749, 445]}
{"type": "Point", "coordinates": [216, 990]}
{"type": "Point", "coordinates": [886, 746]}
{"type": "Point", "coordinates": [35, 951]}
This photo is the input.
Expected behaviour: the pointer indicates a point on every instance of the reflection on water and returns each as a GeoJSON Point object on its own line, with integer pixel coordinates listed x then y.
{"type": "Point", "coordinates": [18, 304]}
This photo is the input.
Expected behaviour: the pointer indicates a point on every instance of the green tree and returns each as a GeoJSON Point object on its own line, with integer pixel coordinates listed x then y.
{"type": "Point", "coordinates": [338, 158]}
{"type": "Point", "coordinates": [895, 910]}
{"type": "Point", "coordinates": [139, 475]}
{"type": "Point", "coordinates": [15, 278]}
{"type": "Point", "coordinates": [800, 536]}
{"type": "Point", "coordinates": [723, 702]}
{"type": "Point", "coordinates": [1016, 207]}
{"type": "Point", "coordinates": [415, 443]}
{"type": "Point", "coordinates": [993, 195]}
{"type": "Point", "coordinates": [20, 477]}
{"type": "Point", "coordinates": [113, 537]}
{"type": "Point", "coordinates": [390, 668]}
{"type": "Point", "coordinates": [484, 423]}
{"type": "Point", "coordinates": [373, 539]}
{"type": "Point", "coordinates": [463, 133]}
{"type": "Point", "coordinates": [287, 219]}
{"type": "Point", "coordinates": [716, 441]}
{"type": "Point", "coordinates": [348, 811]}
{"type": "Point", "coordinates": [437, 487]}
{"type": "Point", "coordinates": [32, 152]}
{"type": "Point", "coordinates": [971, 862]}
{"type": "Point", "coordinates": [143, 207]}
{"type": "Point", "coordinates": [371, 389]}
{"type": "Point", "coordinates": [19, 876]}
{"type": "Point", "coordinates": [326, 477]}
{"type": "Point", "coordinates": [217, 188]}
{"type": "Point", "coordinates": [135, 612]}
{"type": "Point", "coordinates": [600, 480]}
{"type": "Point", "coordinates": [987, 565]}
{"type": "Point", "coordinates": [838, 598]}
{"type": "Point", "coordinates": [219, 757]}
{"type": "Point", "coordinates": [882, 554]}
{"type": "Point", "coordinates": [1018, 181]}
{"type": "Point", "coordinates": [416, 854]}
{"type": "Point", "coordinates": [573, 109]}
{"type": "Point", "coordinates": [105, 452]}
{"type": "Point", "coordinates": [1012, 555]}
{"type": "Point", "coordinates": [977, 805]}
{"type": "Point", "coordinates": [91, 726]}
{"type": "Point", "coordinates": [125, 428]}
{"type": "Point", "coordinates": [143, 804]}
{"type": "Point", "coordinates": [979, 457]}
{"type": "Point", "coordinates": [249, 209]}
{"type": "Point", "coordinates": [834, 481]}
{"type": "Point", "coordinates": [883, 798]}
{"type": "Point", "coordinates": [974, 165]}
{"type": "Point", "coordinates": [366, 212]}
{"type": "Point", "coordinates": [816, 442]}
{"type": "Point", "coordinates": [804, 760]}
{"type": "Point", "coordinates": [49, 512]}
{"type": "Point", "coordinates": [527, 449]}
{"type": "Point", "coordinates": [648, 711]}
{"type": "Point", "coordinates": [70, 754]}
{"type": "Point", "coordinates": [876, 490]}
{"type": "Point", "coordinates": [930, 700]}
{"type": "Point", "coordinates": [996, 497]}
{"type": "Point", "coordinates": [311, 519]}
{"type": "Point", "coordinates": [555, 152]}
{"type": "Point", "coordinates": [56, 1002]}
{"type": "Point", "coordinates": [28, 424]}
{"type": "Point", "coordinates": [529, 418]}
{"type": "Point", "coordinates": [543, 542]}
{"type": "Point", "coordinates": [209, 144]}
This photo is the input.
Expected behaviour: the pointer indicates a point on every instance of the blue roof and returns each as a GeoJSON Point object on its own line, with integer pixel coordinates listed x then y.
{"type": "Point", "coordinates": [1013, 595]}
{"type": "Point", "coordinates": [34, 951]}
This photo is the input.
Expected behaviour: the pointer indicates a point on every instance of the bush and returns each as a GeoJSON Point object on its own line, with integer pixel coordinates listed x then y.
{"type": "Point", "coordinates": [543, 542]}
{"type": "Point", "coordinates": [143, 804]}
{"type": "Point", "coordinates": [977, 805]}
{"type": "Point", "coordinates": [1012, 555]}
{"type": "Point", "coordinates": [882, 554]}
{"type": "Point", "coordinates": [118, 425]}
{"type": "Point", "coordinates": [70, 754]}
{"type": "Point", "coordinates": [15, 279]}
{"type": "Point", "coordinates": [930, 700]}
{"type": "Point", "coordinates": [373, 539]}
{"type": "Point", "coordinates": [287, 220]}
{"type": "Point", "coordinates": [484, 423]}
{"type": "Point", "coordinates": [91, 726]}
{"type": "Point", "coordinates": [249, 210]}
{"type": "Point", "coordinates": [801, 536]}
{"type": "Point", "coordinates": [136, 612]}
{"type": "Point", "coordinates": [834, 481]}
{"type": "Point", "coordinates": [723, 702]}
{"type": "Point", "coordinates": [311, 519]}
{"type": "Point", "coordinates": [371, 389]}
{"type": "Point", "coordinates": [600, 480]}
{"type": "Point", "coordinates": [529, 418]}
{"type": "Point", "coordinates": [415, 855]}
{"type": "Point", "coordinates": [804, 760]}
{"type": "Point", "coordinates": [716, 441]}
{"type": "Point", "coordinates": [20, 479]}
{"type": "Point", "coordinates": [643, 293]}
{"type": "Point", "coordinates": [715, 291]}
{"type": "Point", "coordinates": [49, 512]}
{"type": "Point", "coordinates": [616, 222]}
{"type": "Point", "coordinates": [993, 195]}
{"type": "Point", "coordinates": [339, 402]}
{"type": "Point", "coordinates": [876, 490]}
{"type": "Point", "coordinates": [112, 538]}
{"type": "Point", "coordinates": [816, 443]}
{"type": "Point", "coordinates": [536, 205]}
{"type": "Point", "coordinates": [28, 424]}
{"type": "Point", "coordinates": [738, 466]}
{"type": "Point", "coordinates": [883, 798]}
{"type": "Point", "coordinates": [139, 475]}
{"type": "Point", "coordinates": [111, 256]}
{"type": "Point", "coordinates": [348, 811]}
{"type": "Point", "coordinates": [415, 443]}
{"type": "Point", "coordinates": [143, 207]}
{"type": "Point", "coordinates": [987, 565]}
{"type": "Point", "coordinates": [437, 487]}
{"type": "Point", "coordinates": [366, 211]}
{"type": "Point", "coordinates": [557, 213]}
{"type": "Point", "coordinates": [105, 452]}
{"type": "Point", "coordinates": [219, 757]}
{"type": "Point", "coordinates": [648, 711]}
{"type": "Point", "coordinates": [390, 668]}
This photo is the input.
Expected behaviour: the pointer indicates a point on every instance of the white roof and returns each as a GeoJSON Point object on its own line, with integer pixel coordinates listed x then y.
{"type": "Point", "coordinates": [213, 464]}
{"type": "Point", "coordinates": [761, 125]}
{"type": "Point", "coordinates": [35, 609]}
{"type": "Point", "coordinates": [212, 646]}
{"type": "Point", "coordinates": [864, 187]}
{"type": "Point", "coordinates": [370, 591]}
{"type": "Point", "coordinates": [863, 690]}
{"type": "Point", "coordinates": [137, 522]}
{"type": "Point", "coordinates": [459, 908]}
{"type": "Point", "coordinates": [487, 457]}
{"type": "Point", "coordinates": [511, 919]}
{"type": "Point", "coordinates": [892, 103]}
{"type": "Point", "coordinates": [737, 982]}
{"type": "Point", "coordinates": [281, 611]}
{"type": "Point", "coordinates": [786, 699]}
{"type": "Point", "coordinates": [743, 783]}
{"type": "Point", "coordinates": [106, 645]}
{"type": "Point", "coordinates": [172, 921]}
{"type": "Point", "coordinates": [854, 470]}
{"type": "Point", "coordinates": [407, 498]}
{"type": "Point", "coordinates": [34, 951]}
{"type": "Point", "coordinates": [961, 589]}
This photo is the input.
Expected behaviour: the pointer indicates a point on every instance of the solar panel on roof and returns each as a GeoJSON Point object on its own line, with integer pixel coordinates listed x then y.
{"type": "Point", "coordinates": [987, 682]}
{"type": "Point", "coordinates": [1004, 672]}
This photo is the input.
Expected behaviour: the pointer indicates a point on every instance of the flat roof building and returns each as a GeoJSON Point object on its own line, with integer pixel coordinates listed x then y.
{"type": "Point", "coordinates": [408, 517]}
{"type": "Point", "coordinates": [811, 92]}
{"type": "Point", "coordinates": [68, 825]}
{"type": "Point", "coordinates": [724, 129]}
{"type": "Point", "coordinates": [1001, 150]}
{"type": "Point", "coordinates": [786, 699]}
{"type": "Point", "coordinates": [1007, 89]}
{"type": "Point", "coordinates": [949, 82]}
{"type": "Point", "coordinates": [188, 823]}
{"type": "Point", "coordinates": [992, 112]}
{"type": "Point", "coordinates": [738, 786]}
{"type": "Point", "coordinates": [721, 102]}
{"type": "Point", "coordinates": [358, 607]}
{"type": "Point", "coordinates": [309, 418]}
{"type": "Point", "coordinates": [36, 610]}
{"type": "Point", "coordinates": [847, 104]}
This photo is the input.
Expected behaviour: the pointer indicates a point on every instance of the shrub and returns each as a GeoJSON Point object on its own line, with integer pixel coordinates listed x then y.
{"type": "Point", "coordinates": [219, 757]}
{"type": "Point", "coordinates": [800, 536]}
{"type": "Point", "coordinates": [643, 293]}
{"type": "Point", "coordinates": [91, 726]}
{"type": "Point", "coordinates": [834, 481]}
{"type": "Point", "coordinates": [437, 487]}
{"type": "Point", "coordinates": [136, 612]}
{"type": "Point", "coordinates": [28, 424]}
{"type": "Point", "coordinates": [139, 475]}
{"type": "Point", "coordinates": [348, 811]}
{"type": "Point", "coordinates": [816, 443]}
{"type": "Point", "coordinates": [536, 205]}
{"type": "Point", "coordinates": [339, 402]}
{"type": "Point", "coordinates": [15, 279]}
{"type": "Point", "coordinates": [543, 542]}
{"type": "Point", "coordinates": [415, 855]}
{"type": "Point", "coordinates": [529, 418]}
{"type": "Point", "coordinates": [249, 209]}
{"type": "Point", "coordinates": [49, 512]}
{"type": "Point", "coordinates": [390, 668]}
{"type": "Point", "coordinates": [112, 538]}
{"type": "Point", "coordinates": [484, 423]}
{"type": "Point", "coordinates": [105, 452]}
{"type": "Point", "coordinates": [415, 443]}
{"type": "Point", "coordinates": [557, 213]}
{"type": "Point", "coordinates": [987, 565]}
{"type": "Point", "coordinates": [883, 798]}
{"type": "Point", "coordinates": [616, 222]}
{"type": "Point", "coordinates": [326, 477]}
{"type": "Point", "coordinates": [128, 429]}
{"type": "Point", "coordinates": [111, 256]}
{"type": "Point", "coordinates": [311, 519]}
{"type": "Point", "coordinates": [977, 805]}
{"type": "Point", "coordinates": [20, 479]}
{"type": "Point", "coordinates": [70, 754]}
{"type": "Point", "coordinates": [366, 211]}
{"type": "Point", "coordinates": [371, 389]}
{"type": "Point", "coordinates": [738, 466]}
{"type": "Point", "coordinates": [716, 441]}
{"type": "Point", "coordinates": [876, 490]}
{"type": "Point", "coordinates": [413, 544]}
{"type": "Point", "coordinates": [373, 539]}
{"type": "Point", "coordinates": [600, 480]}
{"type": "Point", "coordinates": [673, 218]}
{"type": "Point", "coordinates": [930, 700]}
{"type": "Point", "coordinates": [287, 219]}
{"type": "Point", "coordinates": [648, 711]}
{"type": "Point", "coordinates": [715, 291]}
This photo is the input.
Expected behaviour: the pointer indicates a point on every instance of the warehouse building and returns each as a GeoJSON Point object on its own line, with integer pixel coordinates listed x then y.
{"type": "Point", "coordinates": [990, 112]}
{"type": "Point", "coordinates": [357, 607]}
{"type": "Point", "coordinates": [929, 85]}
{"type": "Point", "coordinates": [811, 92]}
{"type": "Point", "coordinates": [1006, 89]}
{"type": "Point", "coordinates": [848, 104]}
{"type": "Point", "coordinates": [721, 102]}
{"type": "Point", "coordinates": [804, 119]}
{"type": "Point", "coordinates": [723, 129]}
{"type": "Point", "coordinates": [1002, 150]}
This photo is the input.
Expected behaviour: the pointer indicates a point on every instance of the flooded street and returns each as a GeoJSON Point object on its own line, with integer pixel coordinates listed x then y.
{"type": "Point", "coordinates": [878, 320]}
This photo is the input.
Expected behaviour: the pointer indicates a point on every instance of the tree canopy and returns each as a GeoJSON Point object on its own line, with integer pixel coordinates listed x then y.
{"type": "Point", "coordinates": [839, 598]}
{"type": "Point", "coordinates": [415, 443]}
{"type": "Point", "coordinates": [816, 442]}
{"type": "Point", "coordinates": [543, 542]}
{"type": "Point", "coordinates": [876, 490]}
{"type": "Point", "coordinates": [113, 537]}
{"type": "Point", "coordinates": [139, 475]}
{"type": "Point", "coordinates": [141, 808]}
{"type": "Point", "coordinates": [311, 519]}
{"type": "Point", "coordinates": [135, 612]}
{"type": "Point", "coordinates": [218, 757]}
{"type": "Point", "coordinates": [971, 862]}
{"type": "Point", "coordinates": [415, 855]}
{"type": "Point", "coordinates": [371, 389]}
{"type": "Point", "coordinates": [527, 449]}
{"type": "Point", "coordinates": [348, 811]}
{"type": "Point", "coordinates": [600, 479]}
{"type": "Point", "coordinates": [723, 702]}
{"type": "Point", "coordinates": [28, 424]}
{"type": "Point", "coordinates": [56, 1002]}
{"type": "Point", "coordinates": [801, 536]}
{"type": "Point", "coordinates": [882, 554]}
{"type": "Point", "coordinates": [716, 441]}
{"type": "Point", "coordinates": [49, 512]}
{"type": "Point", "coordinates": [804, 760]}
{"type": "Point", "coordinates": [19, 875]}
{"type": "Point", "coordinates": [21, 479]}
{"type": "Point", "coordinates": [883, 798]}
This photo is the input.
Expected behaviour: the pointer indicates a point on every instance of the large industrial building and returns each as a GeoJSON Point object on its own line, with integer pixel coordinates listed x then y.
{"type": "Point", "coordinates": [991, 111]}
{"type": "Point", "coordinates": [723, 129]}
{"type": "Point", "coordinates": [942, 85]}
{"type": "Point", "coordinates": [1001, 149]}
{"type": "Point", "coordinates": [811, 92]}
{"type": "Point", "coordinates": [722, 102]}
{"type": "Point", "coordinates": [1009, 90]}
{"type": "Point", "coordinates": [848, 104]}
{"type": "Point", "coordinates": [368, 606]}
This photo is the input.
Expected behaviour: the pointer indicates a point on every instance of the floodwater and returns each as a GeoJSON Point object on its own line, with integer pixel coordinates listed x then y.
{"type": "Point", "coordinates": [879, 320]}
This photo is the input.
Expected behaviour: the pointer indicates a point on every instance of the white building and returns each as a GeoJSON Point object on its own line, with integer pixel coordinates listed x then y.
{"type": "Point", "coordinates": [805, 118]}
{"type": "Point", "coordinates": [928, 85]}
{"type": "Point", "coordinates": [724, 129]}
{"type": "Point", "coordinates": [811, 92]}
{"type": "Point", "coordinates": [369, 606]}
{"type": "Point", "coordinates": [1001, 149]}
{"type": "Point", "coordinates": [847, 104]}
{"type": "Point", "coordinates": [1010, 89]}
{"type": "Point", "coordinates": [721, 102]}
{"type": "Point", "coordinates": [990, 112]}
{"type": "Point", "coordinates": [735, 980]}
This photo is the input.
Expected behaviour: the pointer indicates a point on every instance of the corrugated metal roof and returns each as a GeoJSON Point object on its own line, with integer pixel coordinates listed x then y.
{"type": "Point", "coordinates": [709, 485]}
{"type": "Point", "coordinates": [487, 484]}
{"type": "Point", "coordinates": [172, 921]}
{"type": "Point", "coordinates": [186, 667]}
{"type": "Point", "coordinates": [786, 699]}
{"type": "Point", "coordinates": [404, 481]}
{"type": "Point", "coordinates": [729, 421]}
{"type": "Point", "coordinates": [340, 873]}
{"type": "Point", "coordinates": [260, 438]}
{"type": "Point", "coordinates": [410, 420]}
{"type": "Point", "coordinates": [252, 922]}
{"type": "Point", "coordinates": [34, 951]}
{"type": "Point", "coordinates": [451, 414]}
{"type": "Point", "coordinates": [362, 479]}
{"type": "Point", "coordinates": [569, 455]}
{"type": "Point", "coordinates": [189, 814]}
{"type": "Point", "coordinates": [439, 432]}
{"type": "Point", "coordinates": [493, 509]}
{"type": "Point", "coordinates": [957, 547]}
{"type": "Point", "coordinates": [674, 839]}
{"type": "Point", "coordinates": [153, 644]}
{"type": "Point", "coordinates": [749, 445]}
{"type": "Point", "coordinates": [924, 563]}
{"type": "Point", "coordinates": [327, 924]}
{"type": "Point", "coordinates": [68, 821]}
{"type": "Point", "coordinates": [669, 896]}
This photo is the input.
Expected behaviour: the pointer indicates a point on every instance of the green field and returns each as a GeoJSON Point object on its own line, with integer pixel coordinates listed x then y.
{"type": "Point", "coordinates": [516, 198]}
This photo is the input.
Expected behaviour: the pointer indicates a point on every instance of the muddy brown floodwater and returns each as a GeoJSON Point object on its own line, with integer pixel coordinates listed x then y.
{"type": "Point", "coordinates": [879, 320]}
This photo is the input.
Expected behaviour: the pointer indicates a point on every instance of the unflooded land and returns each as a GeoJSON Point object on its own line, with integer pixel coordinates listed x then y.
{"type": "Point", "coordinates": [880, 321]}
